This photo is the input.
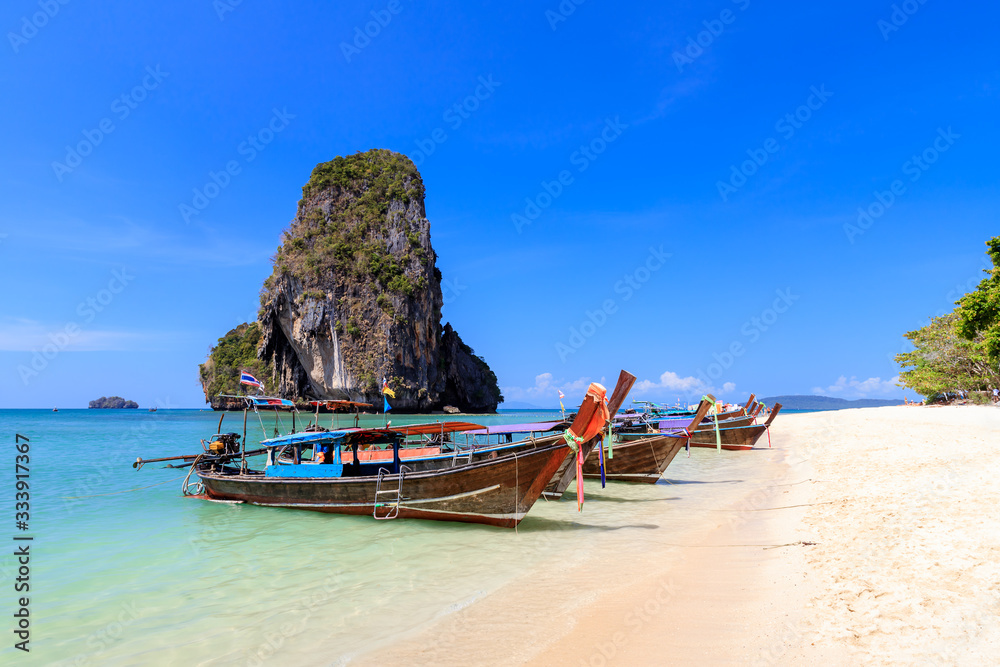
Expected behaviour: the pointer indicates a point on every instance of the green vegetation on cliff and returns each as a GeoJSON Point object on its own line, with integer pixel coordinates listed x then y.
{"type": "Point", "coordinates": [959, 351]}
{"type": "Point", "coordinates": [235, 351]}
{"type": "Point", "coordinates": [346, 238]}
{"type": "Point", "coordinates": [492, 385]}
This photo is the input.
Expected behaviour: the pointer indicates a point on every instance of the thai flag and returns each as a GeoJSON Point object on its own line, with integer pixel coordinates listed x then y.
{"type": "Point", "coordinates": [246, 378]}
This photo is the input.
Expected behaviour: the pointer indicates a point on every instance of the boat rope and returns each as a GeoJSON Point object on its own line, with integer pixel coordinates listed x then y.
{"type": "Point", "coordinates": [114, 493]}
{"type": "Point", "coordinates": [788, 507]}
{"type": "Point", "coordinates": [184, 486]}
{"type": "Point", "coordinates": [762, 546]}
{"type": "Point", "coordinates": [653, 452]}
{"type": "Point", "coordinates": [256, 412]}
{"type": "Point", "coordinates": [814, 481]}
{"type": "Point", "coordinates": [768, 509]}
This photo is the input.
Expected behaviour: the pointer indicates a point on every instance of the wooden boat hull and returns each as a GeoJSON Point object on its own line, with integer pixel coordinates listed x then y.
{"type": "Point", "coordinates": [496, 492]}
{"type": "Point", "coordinates": [432, 458]}
{"type": "Point", "coordinates": [566, 473]}
{"type": "Point", "coordinates": [642, 459]}
{"type": "Point", "coordinates": [624, 436]}
{"type": "Point", "coordinates": [736, 422]}
{"type": "Point", "coordinates": [707, 425]}
{"type": "Point", "coordinates": [733, 439]}
{"type": "Point", "coordinates": [637, 461]}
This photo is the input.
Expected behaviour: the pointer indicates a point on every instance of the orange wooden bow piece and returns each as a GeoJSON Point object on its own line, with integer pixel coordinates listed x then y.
{"type": "Point", "coordinates": [589, 423]}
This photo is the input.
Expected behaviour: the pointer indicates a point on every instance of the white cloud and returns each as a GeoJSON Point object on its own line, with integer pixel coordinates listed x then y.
{"type": "Point", "coordinates": [546, 390]}
{"type": "Point", "coordinates": [855, 388]}
{"type": "Point", "coordinates": [22, 335]}
{"type": "Point", "coordinates": [94, 242]}
{"type": "Point", "coordinates": [670, 381]}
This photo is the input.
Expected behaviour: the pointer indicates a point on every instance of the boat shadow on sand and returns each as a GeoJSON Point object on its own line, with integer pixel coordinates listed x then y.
{"type": "Point", "coordinates": [616, 499]}
{"type": "Point", "coordinates": [541, 525]}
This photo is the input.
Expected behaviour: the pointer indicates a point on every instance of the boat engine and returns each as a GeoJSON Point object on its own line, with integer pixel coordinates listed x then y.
{"type": "Point", "coordinates": [225, 443]}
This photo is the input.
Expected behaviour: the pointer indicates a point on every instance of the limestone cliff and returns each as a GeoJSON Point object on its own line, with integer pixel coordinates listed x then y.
{"type": "Point", "coordinates": [355, 296]}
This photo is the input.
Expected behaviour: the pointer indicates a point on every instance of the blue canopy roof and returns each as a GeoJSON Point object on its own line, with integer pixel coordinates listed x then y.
{"type": "Point", "coordinates": [307, 436]}
{"type": "Point", "coordinates": [353, 435]}
{"type": "Point", "coordinates": [537, 427]}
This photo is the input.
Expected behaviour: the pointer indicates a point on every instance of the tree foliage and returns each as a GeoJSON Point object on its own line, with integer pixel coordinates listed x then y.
{"type": "Point", "coordinates": [944, 361]}
{"type": "Point", "coordinates": [979, 311]}
{"type": "Point", "coordinates": [959, 351]}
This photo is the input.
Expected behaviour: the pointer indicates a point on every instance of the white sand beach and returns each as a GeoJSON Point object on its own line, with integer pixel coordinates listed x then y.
{"type": "Point", "coordinates": [861, 537]}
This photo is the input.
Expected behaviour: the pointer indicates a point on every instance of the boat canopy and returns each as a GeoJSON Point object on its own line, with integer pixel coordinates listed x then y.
{"type": "Point", "coordinates": [271, 401]}
{"type": "Point", "coordinates": [350, 436]}
{"type": "Point", "coordinates": [262, 401]}
{"type": "Point", "coordinates": [369, 435]}
{"type": "Point", "coordinates": [536, 427]}
{"type": "Point", "coordinates": [436, 427]}
{"type": "Point", "coordinates": [304, 437]}
{"type": "Point", "coordinates": [339, 405]}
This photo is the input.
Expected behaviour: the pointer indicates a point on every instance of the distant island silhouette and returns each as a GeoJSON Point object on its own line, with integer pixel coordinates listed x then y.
{"type": "Point", "coordinates": [113, 402]}
{"type": "Point", "coordinates": [805, 402]}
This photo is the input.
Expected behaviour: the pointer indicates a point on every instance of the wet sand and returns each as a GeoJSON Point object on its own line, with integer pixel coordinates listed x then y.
{"type": "Point", "coordinates": [861, 537]}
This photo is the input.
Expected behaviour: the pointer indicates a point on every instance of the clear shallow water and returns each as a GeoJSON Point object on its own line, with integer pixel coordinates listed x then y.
{"type": "Point", "coordinates": [148, 577]}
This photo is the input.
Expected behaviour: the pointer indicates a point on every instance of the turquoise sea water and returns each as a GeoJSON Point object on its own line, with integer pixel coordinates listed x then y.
{"type": "Point", "coordinates": [124, 570]}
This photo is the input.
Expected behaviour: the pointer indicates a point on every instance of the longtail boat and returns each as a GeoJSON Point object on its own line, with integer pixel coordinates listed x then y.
{"type": "Point", "coordinates": [644, 459]}
{"type": "Point", "coordinates": [498, 490]}
{"type": "Point", "coordinates": [708, 424]}
{"type": "Point", "coordinates": [735, 438]}
{"type": "Point", "coordinates": [678, 419]}
{"type": "Point", "coordinates": [441, 454]}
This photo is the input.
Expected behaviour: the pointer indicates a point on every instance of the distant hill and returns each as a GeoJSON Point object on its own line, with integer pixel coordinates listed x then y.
{"type": "Point", "coordinates": [113, 402]}
{"type": "Point", "coordinates": [826, 402]}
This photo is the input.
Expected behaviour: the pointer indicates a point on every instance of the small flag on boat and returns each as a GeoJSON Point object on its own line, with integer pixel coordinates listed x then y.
{"type": "Point", "coordinates": [246, 378]}
{"type": "Point", "coordinates": [561, 407]}
{"type": "Point", "coordinates": [386, 392]}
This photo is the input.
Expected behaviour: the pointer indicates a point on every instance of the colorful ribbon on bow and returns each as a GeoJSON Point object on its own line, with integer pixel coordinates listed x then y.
{"type": "Point", "coordinates": [590, 421]}
{"type": "Point", "coordinates": [715, 414]}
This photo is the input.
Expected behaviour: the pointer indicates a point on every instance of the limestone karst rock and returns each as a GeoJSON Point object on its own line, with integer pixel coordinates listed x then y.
{"type": "Point", "coordinates": [355, 297]}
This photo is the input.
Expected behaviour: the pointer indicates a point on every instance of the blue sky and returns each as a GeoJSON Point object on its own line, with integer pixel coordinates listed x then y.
{"type": "Point", "coordinates": [714, 157]}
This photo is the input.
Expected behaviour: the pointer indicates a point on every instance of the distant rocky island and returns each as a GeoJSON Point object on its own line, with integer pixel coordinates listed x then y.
{"type": "Point", "coordinates": [799, 402]}
{"type": "Point", "coordinates": [114, 402]}
{"type": "Point", "coordinates": [355, 297]}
